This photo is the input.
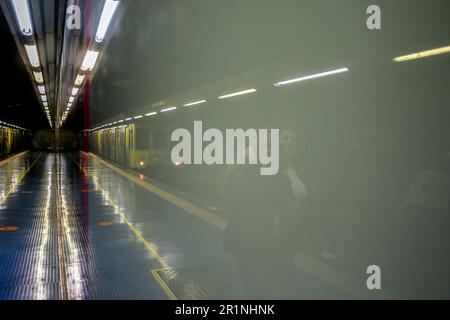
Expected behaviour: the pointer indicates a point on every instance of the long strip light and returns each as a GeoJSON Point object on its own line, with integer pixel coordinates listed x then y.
{"type": "Point", "coordinates": [422, 54]}
{"type": "Point", "coordinates": [108, 11]}
{"type": "Point", "coordinates": [22, 11]}
{"type": "Point", "coordinates": [239, 93]}
{"type": "Point", "coordinates": [32, 54]}
{"type": "Point", "coordinates": [11, 125]}
{"type": "Point", "coordinates": [131, 118]}
{"type": "Point", "coordinates": [24, 21]}
{"type": "Point", "coordinates": [79, 79]}
{"type": "Point", "coordinates": [89, 60]}
{"type": "Point", "coordinates": [312, 76]}
{"type": "Point", "coordinates": [194, 103]}
{"type": "Point", "coordinates": [91, 56]}
{"type": "Point", "coordinates": [41, 89]}
{"type": "Point", "coordinates": [168, 109]}
{"type": "Point", "coordinates": [234, 94]}
{"type": "Point", "coordinates": [38, 77]}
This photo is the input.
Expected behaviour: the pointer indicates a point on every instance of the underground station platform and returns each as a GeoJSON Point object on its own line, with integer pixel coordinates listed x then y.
{"type": "Point", "coordinates": [238, 150]}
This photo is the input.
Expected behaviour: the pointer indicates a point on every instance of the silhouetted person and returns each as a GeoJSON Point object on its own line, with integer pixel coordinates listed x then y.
{"type": "Point", "coordinates": [425, 220]}
{"type": "Point", "coordinates": [263, 225]}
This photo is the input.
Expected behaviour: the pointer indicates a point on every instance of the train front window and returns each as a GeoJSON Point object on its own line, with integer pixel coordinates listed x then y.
{"type": "Point", "coordinates": [141, 139]}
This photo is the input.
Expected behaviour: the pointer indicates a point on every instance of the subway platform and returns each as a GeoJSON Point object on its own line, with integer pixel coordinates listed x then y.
{"type": "Point", "coordinates": [74, 226]}
{"type": "Point", "coordinates": [74, 229]}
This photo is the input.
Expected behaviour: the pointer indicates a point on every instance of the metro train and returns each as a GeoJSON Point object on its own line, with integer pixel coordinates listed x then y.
{"type": "Point", "coordinates": [12, 140]}
{"type": "Point", "coordinates": [125, 145]}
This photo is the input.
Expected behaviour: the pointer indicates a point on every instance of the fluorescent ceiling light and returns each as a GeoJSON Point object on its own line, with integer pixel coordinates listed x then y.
{"type": "Point", "coordinates": [75, 91]}
{"type": "Point", "coordinates": [45, 105]}
{"type": "Point", "coordinates": [71, 99]}
{"type": "Point", "coordinates": [194, 103]}
{"type": "Point", "coordinates": [44, 98]}
{"type": "Point", "coordinates": [79, 80]}
{"type": "Point", "coordinates": [239, 93]}
{"type": "Point", "coordinates": [168, 109]}
{"type": "Point", "coordinates": [120, 121]}
{"type": "Point", "coordinates": [32, 54]}
{"type": "Point", "coordinates": [137, 117]}
{"type": "Point", "coordinates": [422, 54]}
{"type": "Point", "coordinates": [312, 76]}
{"type": "Point", "coordinates": [38, 77]}
{"type": "Point", "coordinates": [150, 114]}
{"type": "Point", "coordinates": [108, 11]}
{"type": "Point", "coordinates": [22, 11]}
{"type": "Point", "coordinates": [128, 119]}
{"type": "Point", "coordinates": [89, 60]}
{"type": "Point", "coordinates": [69, 105]}
{"type": "Point", "coordinates": [41, 89]}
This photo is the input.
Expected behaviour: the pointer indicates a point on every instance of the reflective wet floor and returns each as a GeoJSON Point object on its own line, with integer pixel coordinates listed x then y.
{"type": "Point", "coordinates": [73, 226]}
{"type": "Point", "coordinates": [73, 232]}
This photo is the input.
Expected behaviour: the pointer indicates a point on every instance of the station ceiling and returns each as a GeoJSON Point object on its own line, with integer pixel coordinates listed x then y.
{"type": "Point", "coordinates": [19, 104]}
{"type": "Point", "coordinates": [169, 50]}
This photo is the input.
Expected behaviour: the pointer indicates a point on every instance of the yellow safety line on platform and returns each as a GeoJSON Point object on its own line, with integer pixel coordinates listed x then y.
{"type": "Point", "coordinates": [19, 180]}
{"type": "Point", "coordinates": [5, 161]}
{"type": "Point", "coordinates": [203, 214]}
{"type": "Point", "coordinates": [318, 269]}
{"type": "Point", "coordinates": [163, 284]}
{"type": "Point", "coordinates": [148, 246]}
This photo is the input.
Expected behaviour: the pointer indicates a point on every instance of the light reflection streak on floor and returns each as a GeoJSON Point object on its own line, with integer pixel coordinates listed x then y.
{"type": "Point", "coordinates": [151, 247]}
{"type": "Point", "coordinates": [41, 293]}
{"type": "Point", "coordinates": [10, 178]}
{"type": "Point", "coordinates": [73, 267]}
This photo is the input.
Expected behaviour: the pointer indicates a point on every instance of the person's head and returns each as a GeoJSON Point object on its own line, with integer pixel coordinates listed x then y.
{"type": "Point", "coordinates": [288, 142]}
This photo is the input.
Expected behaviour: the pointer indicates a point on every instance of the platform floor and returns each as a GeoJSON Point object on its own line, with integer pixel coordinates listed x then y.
{"type": "Point", "coordinates": [75, 227]}
{"type": "Point", "coordinates": [93, 234]}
